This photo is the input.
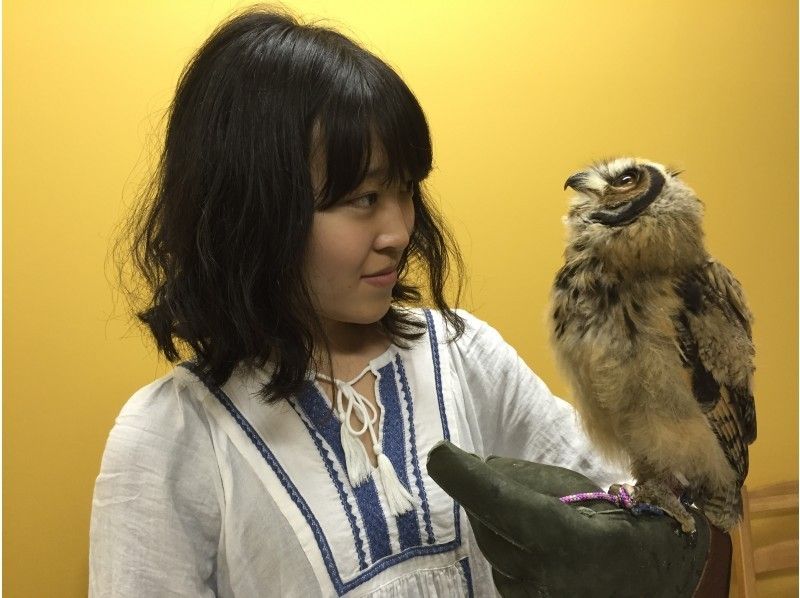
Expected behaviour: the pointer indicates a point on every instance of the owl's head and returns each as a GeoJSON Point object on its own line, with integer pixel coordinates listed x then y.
{"type": "Point", "coordinates": [635, 215]}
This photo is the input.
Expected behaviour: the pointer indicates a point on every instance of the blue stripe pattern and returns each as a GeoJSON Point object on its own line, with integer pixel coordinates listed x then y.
{"type": "Point", "coordinates": [437, 374]}
{"type": "Point", "coordinates": [351, 518]}
{"type": "Point", "coordinates": [366, 493]}
{"type": "Point", "coordinates": [426, 511]}
{"type": "Point", "coordinates": [467, 575]}
{"type": "Point", "coordinates": [291, 489]}
{"type": "Point", "coordinates": [394, 447]}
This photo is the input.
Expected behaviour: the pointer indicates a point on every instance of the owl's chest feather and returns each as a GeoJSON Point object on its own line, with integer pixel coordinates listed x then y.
{"type": "Point", "coordinates": [590, 307]}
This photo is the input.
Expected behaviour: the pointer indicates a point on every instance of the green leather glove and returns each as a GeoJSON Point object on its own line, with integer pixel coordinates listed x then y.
{"type": "Point", "coordinates": [538, 546]}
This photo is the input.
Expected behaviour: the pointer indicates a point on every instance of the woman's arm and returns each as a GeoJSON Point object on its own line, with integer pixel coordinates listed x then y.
{"type": "Point", "coordinates": [515, 414]}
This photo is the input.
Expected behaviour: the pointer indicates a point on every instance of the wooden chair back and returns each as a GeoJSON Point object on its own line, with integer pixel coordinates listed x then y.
{"type": "Point", "coordinates": [749, 562]}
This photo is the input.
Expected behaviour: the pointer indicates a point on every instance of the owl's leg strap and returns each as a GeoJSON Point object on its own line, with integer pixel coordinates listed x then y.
{"type": "Point", "coordinates": [621, 500]}
{"type": "Point", "coordinates": [619, 497]}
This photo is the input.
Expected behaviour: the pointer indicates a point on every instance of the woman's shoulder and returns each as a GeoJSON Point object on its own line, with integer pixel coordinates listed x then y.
{"type": "Point", "coordinates": [477, 334]}
{"type": "Point", "coordinates": [164, 414]}
{"type": "Point", "coordinates": [163, 397]}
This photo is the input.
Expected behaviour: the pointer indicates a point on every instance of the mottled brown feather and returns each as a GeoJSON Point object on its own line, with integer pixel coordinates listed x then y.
{"type": "Point", "coordinates": [728, 356]}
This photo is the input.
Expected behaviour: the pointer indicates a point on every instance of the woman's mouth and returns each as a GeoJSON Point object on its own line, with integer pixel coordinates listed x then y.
{"type": "Point", "coordinates": [384, 278]}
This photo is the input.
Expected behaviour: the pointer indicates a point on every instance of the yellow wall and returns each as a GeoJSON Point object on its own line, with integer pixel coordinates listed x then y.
{"type": "Point", "coordinates": [519, 95]}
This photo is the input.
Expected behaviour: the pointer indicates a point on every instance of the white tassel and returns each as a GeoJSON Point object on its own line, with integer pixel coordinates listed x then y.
{"type": "Point", "coordinates": [398, 499]}
{"type": "Point", "coordinates": [355, 457]}
{"type": "Point", "coordinates": [359, 468]}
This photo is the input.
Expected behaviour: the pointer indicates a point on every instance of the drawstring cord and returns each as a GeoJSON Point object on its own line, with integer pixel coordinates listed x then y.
{"type": "Point", "coordinates": [347, 401]}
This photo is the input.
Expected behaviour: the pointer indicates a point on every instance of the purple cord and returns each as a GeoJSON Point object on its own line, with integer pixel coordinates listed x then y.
{"type": "Point", "coordinates": [622, 500]}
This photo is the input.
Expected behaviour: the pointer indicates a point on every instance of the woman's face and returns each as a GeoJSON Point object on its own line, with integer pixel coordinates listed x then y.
{"type": "Point", "coordinates": [355, 246]}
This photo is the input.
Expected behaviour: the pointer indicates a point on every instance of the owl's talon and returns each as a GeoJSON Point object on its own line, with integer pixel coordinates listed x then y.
{"type": "Point", "coordinates": [615, 489]}
{"type": "Point", "coordinates": [623, 494]}
{"type": "Point", "coordinates": [688, 526]}
{"type": "Point", "coordinates": [661, 496]}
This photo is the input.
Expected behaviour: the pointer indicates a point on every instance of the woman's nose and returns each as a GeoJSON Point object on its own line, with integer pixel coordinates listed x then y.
{"type": "Point", "coordinates": [396, 223]}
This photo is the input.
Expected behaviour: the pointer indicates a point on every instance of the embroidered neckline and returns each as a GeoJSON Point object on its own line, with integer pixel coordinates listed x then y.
{"type": "Point", "coordinates": [357, 463]}
{"type": "Point", "coordinates": [444, 538]}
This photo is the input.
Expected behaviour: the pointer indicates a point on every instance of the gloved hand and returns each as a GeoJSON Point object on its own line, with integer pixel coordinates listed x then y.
{"type": "Point", "coordinates": [538, 546]}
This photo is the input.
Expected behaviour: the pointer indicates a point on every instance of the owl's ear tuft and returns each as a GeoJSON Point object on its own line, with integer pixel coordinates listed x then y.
{"type": "Point", "coordinates": [674, 172]}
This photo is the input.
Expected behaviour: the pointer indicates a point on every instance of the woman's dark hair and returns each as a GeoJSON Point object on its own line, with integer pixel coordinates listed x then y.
{"type": "Point", "coordinates": [221, 231]}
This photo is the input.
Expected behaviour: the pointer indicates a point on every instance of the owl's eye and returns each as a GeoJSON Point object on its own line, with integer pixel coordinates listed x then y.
{"type": "Point", "coordinates": [626, 179]}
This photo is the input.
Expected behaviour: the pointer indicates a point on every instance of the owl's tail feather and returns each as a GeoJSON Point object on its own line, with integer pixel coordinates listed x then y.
{"type": "Point", "coordinates": [724, 510]}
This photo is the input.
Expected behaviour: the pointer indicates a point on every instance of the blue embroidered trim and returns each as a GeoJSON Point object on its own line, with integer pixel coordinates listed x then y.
{"type": "Point", "coordinates": [468, 575]}
{"type": "Point", "coordinates": [426, 511]}
{"type": "Point", "coordinates": [374, 520]}
{"type": "Point", "coordinates": [394, 447]}
{"type": "Point", "coordinates": [291, 489]}
{"type": "Point", "coordinates": [366, 494]}
{"type": "Point", "coordinates": [362, 558]}
{"type": "Point", "coordinates": [437, 373]}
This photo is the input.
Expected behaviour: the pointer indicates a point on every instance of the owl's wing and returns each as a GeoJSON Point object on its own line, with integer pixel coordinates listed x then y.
{"type": "Point", "coordinates": [715, 338]}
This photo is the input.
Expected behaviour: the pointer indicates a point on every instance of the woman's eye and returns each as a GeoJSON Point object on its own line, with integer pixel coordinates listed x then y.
{"type": "Point", "coordinates": [369, 199]}
{"type": "Point", "coordinates": [365, 201]}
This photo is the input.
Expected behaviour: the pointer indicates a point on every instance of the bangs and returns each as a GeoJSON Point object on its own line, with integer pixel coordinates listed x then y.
{"type": "Point", "coordinates": [369, 104]}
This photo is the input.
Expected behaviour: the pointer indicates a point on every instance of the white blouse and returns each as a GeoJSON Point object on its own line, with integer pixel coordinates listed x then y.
{"type": "Point", "coordinates": [207, 491]}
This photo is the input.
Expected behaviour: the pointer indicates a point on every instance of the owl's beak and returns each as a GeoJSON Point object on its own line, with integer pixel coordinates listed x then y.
{"type": "Point", "coordinates": [576, 181]}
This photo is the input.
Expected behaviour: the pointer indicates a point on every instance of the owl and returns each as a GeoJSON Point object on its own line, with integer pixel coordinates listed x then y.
{"type": "Point", "coordinates": [654, 336]}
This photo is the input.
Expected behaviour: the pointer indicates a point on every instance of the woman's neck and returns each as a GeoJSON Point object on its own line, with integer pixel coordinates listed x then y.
{"type": "Point", "coordinates": [351, 347]}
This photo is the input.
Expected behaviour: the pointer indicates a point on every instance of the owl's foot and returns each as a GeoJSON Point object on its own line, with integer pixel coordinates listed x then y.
{"type": "Point", "coordinates": [617, 489]}
{"type": "Point", "coordinates": [661, 495]}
